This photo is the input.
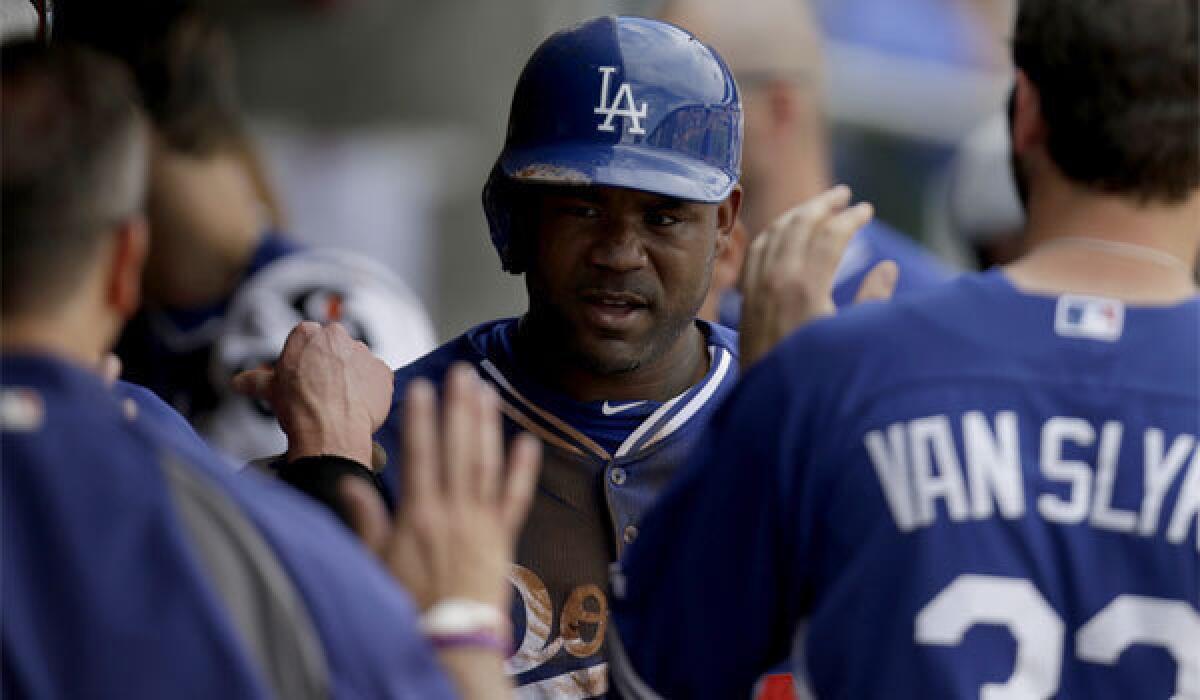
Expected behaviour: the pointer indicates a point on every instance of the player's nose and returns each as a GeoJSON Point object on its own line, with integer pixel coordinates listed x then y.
{"type": "Point", "coordinates": [618, 247]}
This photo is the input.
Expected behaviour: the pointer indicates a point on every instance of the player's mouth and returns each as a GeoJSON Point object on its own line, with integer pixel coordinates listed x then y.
{"type": "Point", "coordinates": [613, 311]}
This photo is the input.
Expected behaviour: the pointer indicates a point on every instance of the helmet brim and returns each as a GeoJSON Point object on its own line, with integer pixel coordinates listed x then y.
{"type": "Point", "coordinates": [636, 167]}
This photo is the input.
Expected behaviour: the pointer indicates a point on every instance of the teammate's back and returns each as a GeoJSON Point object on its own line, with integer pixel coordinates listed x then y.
{"type": "Point", "coordinates": [1007, 495]}
{"type": "Point", "coordinates": [124, 537]}
{"type": "Point", "coordinates": [1021, 469]}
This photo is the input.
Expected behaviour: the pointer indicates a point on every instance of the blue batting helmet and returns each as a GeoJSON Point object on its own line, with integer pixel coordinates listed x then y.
{"type": "Point", "coordinates": [623, 102]}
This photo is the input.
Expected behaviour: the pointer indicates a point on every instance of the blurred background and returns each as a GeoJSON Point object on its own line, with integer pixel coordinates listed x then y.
{"type": "Point", "coordinates": [380, 119]}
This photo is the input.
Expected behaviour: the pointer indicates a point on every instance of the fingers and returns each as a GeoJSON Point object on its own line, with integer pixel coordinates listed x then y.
{"type": "Point", "coordinates": [752, 265]}
{"type": "Point", "coordinates": [465, 459]}
{"type": "Point", "coordinates": [300, 336]}
{"type": "Point", "coordinates": [879, 283]}
{"type": "Point", "coordinates": [491, 445]}
{"type": "Point", "coordinates": [254, 382]}
{"type": "Point", "coordinates": [798, 224]}
{"type": "Point", "coordinates": [365, 511]}
{"type": "Point", "coordinates": [524, 461]}
{"type": "Point", "coordinates": [826, 246]}
{"type": "Point", "coordinates": [420, 440]}
{"type": "Point", "coordinates": [460, 409]}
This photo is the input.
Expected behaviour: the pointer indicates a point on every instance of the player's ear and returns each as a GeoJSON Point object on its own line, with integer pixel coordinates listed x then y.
{"type": "Point", "coordinates": [1028, 125]}
{"type": "Point", "coordinates": [727, 219]}
{"type": "Point", "coordinates": [128, 256]}
{"type": "Point", "coordinates": [728, 266]}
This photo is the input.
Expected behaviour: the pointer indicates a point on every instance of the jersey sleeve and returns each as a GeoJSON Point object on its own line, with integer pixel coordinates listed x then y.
{"type": "Point", "coordinates": [708, 597]}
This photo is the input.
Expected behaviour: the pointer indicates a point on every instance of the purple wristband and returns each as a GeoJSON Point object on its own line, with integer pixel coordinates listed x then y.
{"type": "Point", "coordinates": [482, 639]}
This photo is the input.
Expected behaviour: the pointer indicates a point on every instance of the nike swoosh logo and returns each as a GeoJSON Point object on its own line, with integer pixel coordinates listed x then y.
{"type": "Point", "coordinates": [608, 410]}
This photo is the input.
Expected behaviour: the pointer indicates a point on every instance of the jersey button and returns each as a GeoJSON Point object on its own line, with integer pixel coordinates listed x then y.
{"type": "Point", "coordinates": [617, 476]}
{"type": "Point", "coordinates": [630, 534]}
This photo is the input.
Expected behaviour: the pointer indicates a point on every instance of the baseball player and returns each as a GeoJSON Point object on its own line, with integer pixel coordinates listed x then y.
{"type": "Point", "coordinates": [224, 285]}
{"type": "Point", "coordinates": [615, 191]}
{"type": "Point", "coordinates": [135, 564]}
{"type": "Point", "coordinates": [991, 489]}
{"type": "Point", "coordinates": [774, 50]}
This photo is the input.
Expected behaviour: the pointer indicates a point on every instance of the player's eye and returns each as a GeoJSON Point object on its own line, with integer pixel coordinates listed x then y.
{"type": "Point", "coordinates": [661, 219]}
{"type": "Point", "coordinates": [582, 210]}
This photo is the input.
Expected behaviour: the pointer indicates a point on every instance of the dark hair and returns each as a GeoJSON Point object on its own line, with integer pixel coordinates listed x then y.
{"type": "Point", "coordinates": [1118, 82]}
{"type": "Point", "coordinates": [181, 60]}
{"type": "Point", "coordinates": [73, 150]}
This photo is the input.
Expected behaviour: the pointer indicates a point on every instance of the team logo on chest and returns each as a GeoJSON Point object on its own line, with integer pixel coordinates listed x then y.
{"type": "Point", "coordinates": [623, 105]}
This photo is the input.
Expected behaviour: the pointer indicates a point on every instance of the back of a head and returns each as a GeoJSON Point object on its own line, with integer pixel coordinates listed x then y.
{"type": "Point", "coordinates": [74, 153]}
{"type": "Point", "coordinates": [181, 60]}
{"type": "Point", "coordinates": [1118, 85]}
{"type": "Point", "coordinates": [761, 40]}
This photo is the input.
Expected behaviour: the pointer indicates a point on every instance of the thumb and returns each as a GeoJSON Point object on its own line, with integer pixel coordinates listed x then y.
{"type": "Point", "coordinates": [879, 283]}
{"type": "Point", "coordinates": [254, 382]}
{"type": "Point", "coordinates": [365, 511]}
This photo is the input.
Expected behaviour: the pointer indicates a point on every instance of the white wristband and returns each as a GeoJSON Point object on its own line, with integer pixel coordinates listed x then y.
{"type": "Point", "coordinates": [457, 616]}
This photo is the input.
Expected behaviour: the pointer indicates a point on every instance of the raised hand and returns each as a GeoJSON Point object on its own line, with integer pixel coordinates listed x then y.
{"type": "Point", "coordinates": [788, 276]}
{"type": "Point", "coordinates": [461, 506]}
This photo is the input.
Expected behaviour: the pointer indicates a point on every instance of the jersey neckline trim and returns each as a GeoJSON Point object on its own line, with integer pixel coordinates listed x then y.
{"type": "Point", "coordinates": [657, 427]}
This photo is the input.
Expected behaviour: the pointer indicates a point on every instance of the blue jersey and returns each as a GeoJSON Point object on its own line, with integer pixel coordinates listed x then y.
{"type": "Point", "coordinates": [137, 565]}
{"type": "Point", "coordinates": [971, 488]}
{"type": "Point", "coordinates": [603, 465]}
{"type": "Point", "coordinates": [149, 408]}
{"type": "Point", "coordinates": [872, 245]}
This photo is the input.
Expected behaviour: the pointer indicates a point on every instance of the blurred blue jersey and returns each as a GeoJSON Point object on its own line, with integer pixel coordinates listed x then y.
{"type": "Point", "coordinates": [166, 421]}
{"type": "Point", "coordinates": [972, 492]}
{"type": "Point", "coordinates": [876, 242]}
{"type": "Point", "coordinates": [137, 565]}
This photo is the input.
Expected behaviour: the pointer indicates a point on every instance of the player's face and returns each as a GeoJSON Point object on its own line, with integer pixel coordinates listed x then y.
{"type": "Point", "coordinates": [619, 274]}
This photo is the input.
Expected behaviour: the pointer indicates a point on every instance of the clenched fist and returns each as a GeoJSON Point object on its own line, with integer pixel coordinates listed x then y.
{"type": "Point", "coordinates": [328, 391]}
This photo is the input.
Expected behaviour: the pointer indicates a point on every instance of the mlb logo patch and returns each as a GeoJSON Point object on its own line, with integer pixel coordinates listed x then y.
{"type": "Point", "coordinates": [1095, 318]}
{"type": "Point", "coordinates": [21, 410]}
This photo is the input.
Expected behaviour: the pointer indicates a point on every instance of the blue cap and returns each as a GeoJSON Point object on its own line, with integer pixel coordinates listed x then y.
{"type": "Point", "coordinates": [622, 102]}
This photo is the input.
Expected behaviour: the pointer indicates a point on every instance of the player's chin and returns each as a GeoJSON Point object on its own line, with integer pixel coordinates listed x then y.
{"type": "Point", "coordinates": [608, 355]}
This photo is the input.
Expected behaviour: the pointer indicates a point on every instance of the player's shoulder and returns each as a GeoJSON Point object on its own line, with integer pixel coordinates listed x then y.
{"type": "Point", "coordinates": [980, 325]}
{"type": "Point", "coordinates": [886, 338]}
{"type": "Point", "coordinates": [887, 240]}
{"type": "Point", "coordinates": [44, 401]}
{"type": "Point", "coordinates": [921, 265]}
{"type": "Point", "coordinates": [946, 304]}
{"type": "Point", "coordinates": [149, 407]}
{"type": "Point", "coordinates": [475, 346]}
{"type": "Point", "coordinates": [720, 335]}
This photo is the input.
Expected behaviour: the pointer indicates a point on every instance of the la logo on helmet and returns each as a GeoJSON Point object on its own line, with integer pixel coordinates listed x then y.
{"type": "Point", "coordinates": [613, 109]}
